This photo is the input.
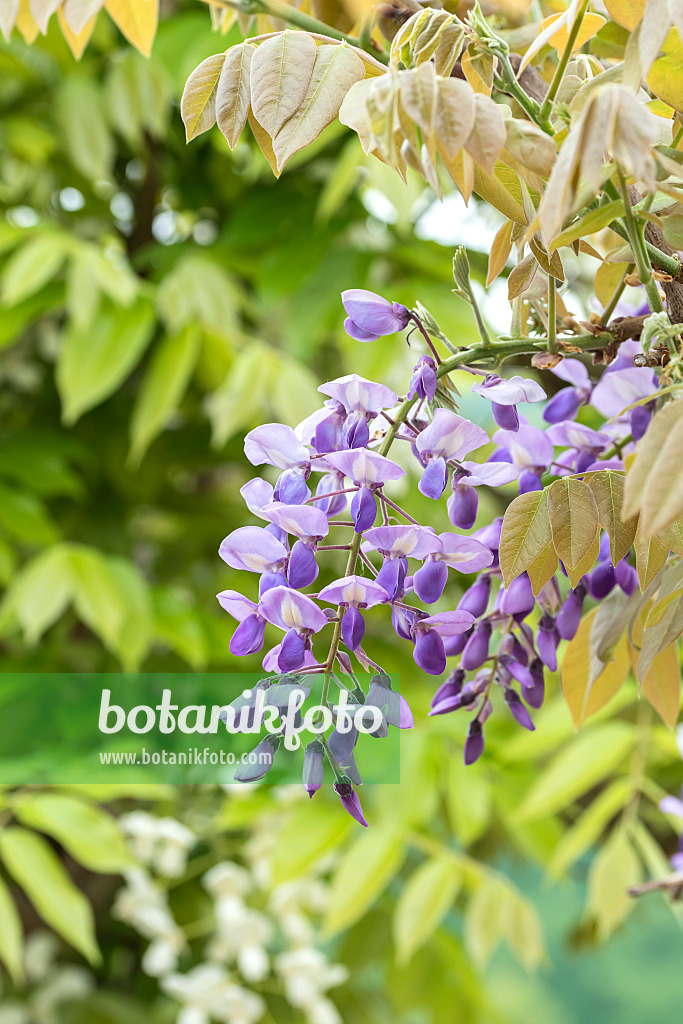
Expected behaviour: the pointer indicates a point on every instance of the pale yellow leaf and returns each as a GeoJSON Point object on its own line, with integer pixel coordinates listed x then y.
{"type": "Point", "coordinates": [137, 21]}
{"type": "Point", "coordinates": [198, 102]}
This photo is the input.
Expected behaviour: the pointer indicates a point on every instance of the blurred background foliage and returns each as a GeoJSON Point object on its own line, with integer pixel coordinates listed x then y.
{"type": "Point", "coordinates": [156, 302]}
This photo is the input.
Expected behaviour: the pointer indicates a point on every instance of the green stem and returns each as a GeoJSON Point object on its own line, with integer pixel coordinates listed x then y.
{"type": "Point", "coordinates": [637, 243]}
{"type": "Point", "coordinates": [616, 295]}
{"type": "Point", "coordinates": [508, 83]}
{"type": "Point", "coordinates": [283, 11]}
{"type": "Point", "coordinates": [552, 316]}
{"type": "Point", "coordinates": [548, 102]}
{"type": "Point", "coordinates": [669, 264]}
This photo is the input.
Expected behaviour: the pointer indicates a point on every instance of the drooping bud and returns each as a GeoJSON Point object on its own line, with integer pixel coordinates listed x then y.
{"type": "Point", "coordinates": [463, 505]}
{"type": "Point", "coordinates": [303, 568]}
{"type": "Point", "coordinates": [474, 744]}
{"type": "Point", "coordinates": [314, 767]}
{"type": "Point", "coordinates": [259, 761]}
{"type": "Point", "coordinates": [547, 642]}
{"type": "Point", "coordinates": [476, 599]}
{"type": "Point", "coordinates": [517, 709]}
{"type": "Point", "coordinates": [352, 628]}
{"type": "Point", "coordinates": [569, 615]}
{"type": "Point", "coordinates": [602, 580]}
{"type": "Point", "coordinates": [429, 580]}
{"type": "Point", "coordinates": [477, 647]}
{"type": "Point", "coordinates": [518, 599]}
{"type": "Point", "coordinates": [350, 801]}
{"type": "Point", "coordinates": [429, 652]}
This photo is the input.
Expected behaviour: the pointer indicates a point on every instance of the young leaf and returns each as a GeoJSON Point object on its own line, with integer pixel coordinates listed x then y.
{"type": "Point", "coordinates": [136, 21]}
{"type": "Point", "coordinates": [77, 13]}
{"type": "Point", "coordinates": [668, 628]}
{"type": "Point", "coordinates": [487, 137]}
{"type": "Point", "coordinates": [198, 102]}
{"type": "Point", "coordinates": [485, 920]}
{"type": "Point", "coordinates": [662, 684]}
{"type": "Point", "coordinates": [666, 421]}
{"type": "Point", "coordinates": [426, 898]}
{"type": "Point", "coordinates": [573, 518]}
{"type": "Point", "coordinates": [32, 266]}
{"type": "Point", "coordinates": [543, 568]}
{"type": "Point", "coordinates": [586, 563]}
{"type": "Point", "coordinates": [11, 935]}
{"type": "Point", "coordinates": [500, 251]}
{"type": "Point", "coordinates": [34, 865]}
{"type": "Point", "coordinates": [233, 91]}
{"type": "Point", "coordinates": [608, 488]}
{"type": "Point", "coordinates": [662, 497]}
{"type": "Point", "coordinates": [8, 16]}
{"type": "Point", "coordinates": [525, 533]}
{"type": "Point", "coordinates": [587, 682]}
{"type": "Point", "coordinates": [589, 826]}
{"type": "Point", "coordinates": [453, 115]}
{"type": "Point", "coordinates": [589, 758]}
{"type": "Point", "coordinates": [281, 71]}
{"type": "Point", "coordinates": [595, 220]}
{"type": "Point", "coordinates": [41, 591]}
{"type": "Point", "coordinates": [614, 870]}
{"type": "Point", "coordinates": [335, 70]}
{"type": "Point", "coordinates": [89, 834]}
{"type": "Point", "coordinates": [521, 276]}
{"type": "Point", "coordinates": [672, 537]}
{"type": "Point", "coordinates": [163, 388]}
{"type": "Point", "coordinates": [363, 873]}
{"type": "Point", "coordinates": [651, 556]}
{"type": "Point", "coordinates": [98, 599]}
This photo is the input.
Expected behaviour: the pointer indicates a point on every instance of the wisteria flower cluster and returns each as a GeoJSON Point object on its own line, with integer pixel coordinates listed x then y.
{"type": "Point", "coordinates": [335, 492]}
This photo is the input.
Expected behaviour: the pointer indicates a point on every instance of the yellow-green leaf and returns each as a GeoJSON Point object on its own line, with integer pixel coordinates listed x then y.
{"type": "Point", "coordinates": [608, 489]}
{"type": "Point", "coordinates": [664, 423]}
{"type": "Point", "coordinates": [651, 556]}
{"type": "Point", "coordinates": [11, 935]}
{"type": "Point", "coordinates": [614, 870]}
{"type": "Point", "coordinates": [573, 519]}
{"type": "Point", "coordinates": [198, 102]}
{"type": "Point", "coordinates": [585, 687]}
{"type": "Point", "coordinates": [233, 92]}
{"type": "Point", "coordinates": [363, 873]}
{"type": "Point", "coordinates": [543, 568]}
{"type": "Point", "coordinates": [662, 684]}
{"type": "Point", "coordinates": [426, 898]}
{"type": "Point", "coordinates": [89, 834]}
{"type": "Point", "coordinates": [586, 563]}
{"type": "Point", "coordinates": [525, 533]}
{"type": "Point", "coordinates": [136, 20]}
{"type": "Point", "coordinates": [34, 865]}
{"type": "Point", "coordinates": [594, 221]}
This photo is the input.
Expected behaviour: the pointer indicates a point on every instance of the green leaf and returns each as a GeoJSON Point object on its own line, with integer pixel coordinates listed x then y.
{"type": "Point", "coordinates": [485, 920]}
{"type": "Point", "coordinates": [32, 266]}
{"type": "Point", "coordinates": [423, 903]}
{"type": "Point", "coordinates": [594, 221]}
{"type": "Point", "coordinates": [608, 489]}
{"type": "Point", "coordinates": [525, 533]}
{"type": "Point", "coordinates": [589, 826]}
{"type": "Point", "coordinates": [81, 113]}
{"type": "Point", "coordinates": [198, 102]}
{"type": "Point", "coordinates": [98, 598]}
{"type": "Point", "coordinates": [523, 931]}
{"type": "Point", "coordinates": [93, 364]}
{"type": "Point", "coordinates": [136, 632]}
{"type": "Point", "coordinates": [614, 870]}
{"type": "Point", "coordinates": [89, 834]}
{"type": "Point", "coordinates": [164, 385]}
{"type": "Point", "coordinates": [25, 517]}
{"type": "Point", "coordinates": [573, 518]}
{"type": "Point", "coordinates": [363, 873]}
{"type": "Point", "coordinates": [469, 802]}
{"type": "Point", "coordinates": [241, 396]}
{"type": "Point", "coordinates": [307, 840]}
{"type": "Point", "coordinates": [11, 935]}
{"type": "Point", "coordinates": [335, 70]}
{"type": "Point", "coordinates": [588, 759]}
{"type": "Point", "coordinates": [34, 865]}
{"type": "Point", "coordinates": [669, 625]}
{"type": "Point", "coordinates": [40, 593]}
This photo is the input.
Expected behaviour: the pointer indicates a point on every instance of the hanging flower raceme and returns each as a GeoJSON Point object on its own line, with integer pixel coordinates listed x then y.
{"type": "Point", "coordinates": [505, 396]}
{"type": "Point", "coordinates": [370, 317]}
{"type": "Point", "coordinates": [448, 438]}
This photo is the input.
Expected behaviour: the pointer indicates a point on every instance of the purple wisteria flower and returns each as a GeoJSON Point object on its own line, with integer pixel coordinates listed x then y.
{"type": "Point", "coordinates": [257, 493]}
{"type": "Point", "coordinates": [361, 400]}
{"type": "Point", "coordinates": [299, 617]}
{"type": "Point", "coordinates": [369, 316]}
{"type": "Point", "coordinates": [567, 402]}
{"type": "Point", "coordinates": [275, 444]}
{"type": "Point", "coordinates": [464, 554]}
{"type": "Point", "coordinates": [505, 396]}
{"type": "Point", "coordinates": [429, 653]}
{"type": "Point", "coordinates": [256, 550]}
{"type": "Point", "coordinates": [531, 451]}
{"type": "Point", "coordinates": [350, 801]}
{"type": "Point", "coordinates": [464, 501]}
{"type": "Point", "coordinates": [582, 444]}
{"type": "Point", "coordinates": [369, 471]}
{"type": "Point", "coordinates": [397, 544]}
{"type": "Point", "coordinates": [424, 380]}
{"type": "Point", "coordinates": [309, 525]}
{"type": "Point", "coordinates": [353, 593]}
{"type": "Point", "coordinates": [621, 388]}
{"type": "Point", "coordinates": [448, 438]}
{"type": "Point", "coordinates": [393, 705]}
{"type": "Point", "coordinates": [250, 634]}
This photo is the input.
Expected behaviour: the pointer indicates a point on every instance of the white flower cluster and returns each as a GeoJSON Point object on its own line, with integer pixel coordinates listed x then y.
{"type": "Point", "coordinates": [238, 958]}
{"type": "Point", "coordinates": [51, 985]}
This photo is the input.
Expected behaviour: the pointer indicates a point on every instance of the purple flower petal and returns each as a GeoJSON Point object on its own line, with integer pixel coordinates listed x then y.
{"type": "Point", "coordinates": [287, 609]}
{"type": "Point", "coordinates": [621, 388]}
{"type": "Point", "coordinates": [249, 636]}
{"type": "Point", "coordinates": [352, 628]}
{"type": "Point", "coordinates": [462, 506]}
{"type": "Point", "coordinates": [253, 549]}
{"type": "Point", "coordinates": [465, 554]}
{"type": "Point", "coordinates": [429, 581]}
{"type": "Point", "coordinates": [276, 445]}
{"type": "Point", "coordinates": [357, 394]}
{"type": "Point", "coordinates": [448, 623]}
{"type": "Point", "coordinates": [424, 381]}
{"type": "Point", "coordinates": [429, 652]}
{"type": "Point", "coordinates": [354, 590]}
{"type": "Point", "coordinates": [563, 406]}
{"type": "Point", "coordinates": [256, 494]}
{"type": "Point", "coordinates": [363, 509]}
{"type": "Point", "coordinates": [506, 416]}
{"type": "Point", "coordinates": [509, 392]}
{"type": "Point", "coordinates": [402, 541]}
{"type": "Point", "coordinates": [303, 568]}
{"type": "Point", "coordinates": [434, 479]}
{"type": "Point", "coordinates": [476, 599]}
{"type": "Point", "coordinates": [307, 522]}
{"type": "Point", "coordinates": [450, 436]}
{"type": "Point", "coordinates": [529, 446]}
{"type": "Point", "coordinates": [489, 474]}
{"type": "Point", "coordinates": [365, 468]}
{"type": "Point", "coordinates": [474, 744]}
{"type": "Point", "coordinates": [350, 801]}
{"type": "Point", "coordinates": [517, 709]}
{"type": "Point", "coordinates": [373, 314]}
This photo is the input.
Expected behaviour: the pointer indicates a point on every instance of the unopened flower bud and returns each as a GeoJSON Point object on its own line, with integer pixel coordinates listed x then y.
{"type": "Point", "coordinates": [314, 767]}
{"type": "Point", "coordinates": [517, 709]}
{"type": "Point", "coordinates": [474, 744]}
{"type": "Point", "coordinates": [476, 599]}
{"type": "Point", "coordinates": [569, 615]}
{"type": "Point", "coordinates": [477, 647]}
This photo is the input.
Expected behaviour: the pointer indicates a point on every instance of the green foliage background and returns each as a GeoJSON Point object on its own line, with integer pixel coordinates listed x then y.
{"type": "Point", "coordinates": [156, 302]}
